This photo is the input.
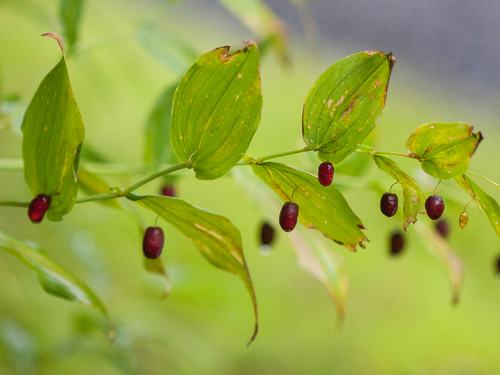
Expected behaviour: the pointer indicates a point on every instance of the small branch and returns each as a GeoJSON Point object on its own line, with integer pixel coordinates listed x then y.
{"type": "Point", "coordinates": [260, 160]}
{"type": "Point", "coordinates": [14, 203]}
{"type": "Point", "coordinates": [373, 152]}
{"type": "Point", "coordinates": [484, 178]}
{"type": "Point", "coordinates": [153, 177]}
{"type": "Point", "coordinates": [98, 197]}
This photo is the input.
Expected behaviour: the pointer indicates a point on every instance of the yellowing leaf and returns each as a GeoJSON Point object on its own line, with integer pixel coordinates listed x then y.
{"type": "Point", "coordinates": [444, 149]}
{"type": "Point", "coordinates": [414, 198]}
{"type": "Point", "coordinates": [322, 208]}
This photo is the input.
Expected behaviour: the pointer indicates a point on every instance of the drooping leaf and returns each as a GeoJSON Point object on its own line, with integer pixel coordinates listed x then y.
{"type": "Point", "coordinates": [438, 246]}
{"type": "Point", "coordinates": [217, 239]}
{"type": "Point", "coordinates": [168, 49]}
{"type": "Point", "coordinates": [53, 133]}
{"type": "Point", "coordinates": [315, 256]}
{"type": "Point", "coordinates": [70, 12]}
{"type": "Point", "coordinates": [158, 149]}
{"type": "Point", "coordinates": [322, 208]}
{"type": "Point", "coordinates": [444, 149]}
{"type": "Point", "coordinates": [54, 279]}
{"type": "Point", "coordinates": [216, 111]}
{"type": "Point", "coordinates": [414, 198]}
{"type": "Point", "coordinates": [345, 103]}
{"type": "Point", "coordinates": [486, 203]}
{"type": "Point", "coordinates": [259, 18]}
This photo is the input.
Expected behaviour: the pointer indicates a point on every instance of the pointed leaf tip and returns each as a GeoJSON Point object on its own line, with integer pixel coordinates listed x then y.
{"type": "Point", "coordinates": [57, 38]}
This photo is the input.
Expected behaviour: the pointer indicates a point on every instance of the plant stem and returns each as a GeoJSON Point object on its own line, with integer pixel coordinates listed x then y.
{"type": "Point", "coordinates": [484, 178]}
{"type": "Point", "coordinates": [14, 203]}
{"type": "Point", "coordinates": [260, 160]}
{"type": "Point", "coordinates": [153, 177]}
{"type": "Point", "coordinates": [373, 152]}
{"type": "Point", "coordinates": [98, 197]}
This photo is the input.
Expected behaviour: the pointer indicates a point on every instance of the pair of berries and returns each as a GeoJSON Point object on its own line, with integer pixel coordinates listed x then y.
{"type": "Point", "coordinates": [434, 205]}
{"type": "Point", "coordinates": [290, 211]}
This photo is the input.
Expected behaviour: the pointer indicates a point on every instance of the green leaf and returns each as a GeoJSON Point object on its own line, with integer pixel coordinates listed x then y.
{"type": "Point", "coordinates": [165, 47]}
{"type": "Point", "coordinates": [70, 12]}
{"type": "Point", "coordinates": [216, 111]}
{"type": "Point", "coordinates": [53, 133]}
{"type": "Point", "coordinates": [217, 239]}
{"type": "Point", "coordinates": [54, 279]}
{"type": "Point", "coordinates": [158, 149]}
{"type": "Point", "coordinates": [322, 208]}
{"type": "Point", "coordinates": [157, 266]}
{"type": "Point", "coordinates": [414, 198]}
{"type": "Point", "coordinates": [259, 18]}
{"type": "Point", "coordinates": [345, 103]}
{"type": "Point", "coordinates": [486, 203]}
{"type": "Point", "coordinates": [444, 149]}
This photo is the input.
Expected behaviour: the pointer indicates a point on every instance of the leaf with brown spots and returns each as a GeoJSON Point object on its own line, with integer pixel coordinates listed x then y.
{"type": "Point", "coordinates": [444, 149]}
{"type": "Point", "coordinates": [345, 103]}
{"type": "Point", "coordinates": [322, 208]}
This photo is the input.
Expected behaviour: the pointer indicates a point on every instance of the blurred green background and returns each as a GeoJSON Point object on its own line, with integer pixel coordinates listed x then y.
{"type": "Point", "coordinates": [399, 317]}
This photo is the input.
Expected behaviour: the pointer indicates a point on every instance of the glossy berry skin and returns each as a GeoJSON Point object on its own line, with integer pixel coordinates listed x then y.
{"type": "Point", "coordinates": [38, 206]}
{"type": "Point", "coordinates": [397, 243]}
{"type": "Point", "coordinates": [443, 228]}
{"type": "Point", "coordinates": [325, 173]}
{"type": "Point", "coordinates": [434, 206]}
{"type": "Point", "coordinates": [266, 234]}
{"type": "Point", "coordinates": [288, 216]}
{"type": "Point", "coordinates": [168, 190]}
{"type": "Point", "coordinates": [152, 244]}
{"type": "Point", "coordinates": [389, 204]}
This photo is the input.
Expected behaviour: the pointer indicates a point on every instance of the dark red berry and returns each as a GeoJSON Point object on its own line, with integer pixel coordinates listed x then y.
{"type": "Point", "coordinates": [434, 206]}
{"type": "Point", "coordinates": [168, 190]}
{"type": "Point", "coordinates": [397, 243]}
{"type": "Point", "coordinates": [266, 234]}
{"type": "Point", "coordinates": [288, 216]}
{"type": "Point", "coordinates": [152, 244]}
{"type": "Point", "coordinates": [443, 228]}
{"type": "Point", "coordinates": [497, 265]}
{"type": "Point", "coordinates": [389, 204]}
{"type": "Point", "coordinates": [38, 206]}
{"type": "Point", "coordinates": [325, 173]}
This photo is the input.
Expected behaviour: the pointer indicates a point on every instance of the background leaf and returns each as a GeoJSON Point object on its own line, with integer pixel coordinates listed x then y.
{"type": "Point", "coordinates": [259, 18]}
{"type": "Point", "coordinates": [322, 208]}
{"type": "Point", "coordinates": [213, 130]}
{"type": "Point", "coordinates": [53, 278]}
{"type": "Point", "coordinates": [345, 103]}
{"type": "Point", "coordinates": [158, 149]}
{"type": "Point", "coordinates": [217, 239]}
{"type": "Point", "coordinates": [439, 247]}
{"type": "Point", "coordinates": [444, 149]}
{"type": "Point", "coordinates": [53, 133]}
{"type": "Point", "coordinates": [414, 198]}
{"type": "Point", "coordinates": [70, 12]}
{"type": "Point", "coordinates": [486, 203]}
{"type": "Point", "coordinates": [170, 50]}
